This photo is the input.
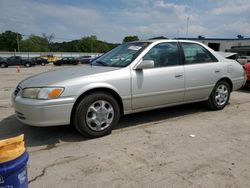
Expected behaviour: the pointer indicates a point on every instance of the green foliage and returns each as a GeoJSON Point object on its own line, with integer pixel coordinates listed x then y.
{"type": "Point", "coordinates": [34, 44]}
{"type": "Point", "coordinates": [92, 44]}
{"type": "Point", "coordinates": [130, 38]}
{"type": "Point", "coordinates": [8, 41]}
{"type": "Point", "coordinates": [71, 46]}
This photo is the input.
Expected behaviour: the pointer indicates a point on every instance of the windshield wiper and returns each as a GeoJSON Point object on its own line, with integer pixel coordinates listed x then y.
{"type": "Point", "coordinates": [101, 63]}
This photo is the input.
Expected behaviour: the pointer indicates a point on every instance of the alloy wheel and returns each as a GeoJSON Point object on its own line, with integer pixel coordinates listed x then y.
{"type": "Point", "coordinates": [100, 115]}
{"type": "Point", "coordinates": [221, 95]}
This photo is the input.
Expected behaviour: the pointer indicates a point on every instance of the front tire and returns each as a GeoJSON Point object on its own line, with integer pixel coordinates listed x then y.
{"type": "Point", "coordinates": [27, 64]}
{"type": "Point", "coordinates": [96, 115]}
{"type": "Point", "coordinates": [220, 96]}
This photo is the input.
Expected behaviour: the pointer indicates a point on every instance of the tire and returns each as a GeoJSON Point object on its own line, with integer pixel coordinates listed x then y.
{"type": "Point", "coordinates": [27, 64]}
{"type": "Point", "coordinates": [43, 64]}
{"type": "Point", "coordinates": [219, 97]}
{"type": "Point", "coordinates": [3, 65]}
{"type": "Point", "coordinates": [96, 115]}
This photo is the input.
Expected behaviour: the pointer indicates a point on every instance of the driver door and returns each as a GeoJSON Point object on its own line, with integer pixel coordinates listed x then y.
{"type": "Point", "coordinates": [164, 83]}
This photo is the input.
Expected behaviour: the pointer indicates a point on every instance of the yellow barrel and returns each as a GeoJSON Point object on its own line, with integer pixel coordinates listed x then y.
{"type": "Point", "coordinates": [11, 148]}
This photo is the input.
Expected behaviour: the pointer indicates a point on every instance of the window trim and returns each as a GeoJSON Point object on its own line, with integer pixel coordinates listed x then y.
{"type": "Point", "coordinates": [215, 60]}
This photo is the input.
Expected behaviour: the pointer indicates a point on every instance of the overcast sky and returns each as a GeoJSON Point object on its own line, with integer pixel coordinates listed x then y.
{"type": "Point", "coordinates": [112, 20]}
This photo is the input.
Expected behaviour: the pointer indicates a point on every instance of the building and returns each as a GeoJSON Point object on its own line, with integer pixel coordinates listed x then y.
{"type": "Point", "coordinates": [237, 45]}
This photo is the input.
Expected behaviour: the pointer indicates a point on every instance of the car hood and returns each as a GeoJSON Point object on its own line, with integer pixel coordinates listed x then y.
{"type": "Point", "coordinates": [63, 74]}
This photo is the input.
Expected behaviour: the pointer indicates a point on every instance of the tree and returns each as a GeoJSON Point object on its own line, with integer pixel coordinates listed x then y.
{"type": "Point", "coordinates": [201, 37]}
{"type": "Point", "coordinates": [34, 44]}
{"type": "Point", "coordinates": [86, 44]}
{"type": "Point", "coordinates": [130, 38]}
{"type": "Point", "coordinates": [49, 38]}
{"type": "Point", "coordinates": [240, 37]}
{"type": "Point", "coordinates": [71, 46]}
{"type": "Point", "coordinates": [93, 45]}
{"type": "Point", "coordinates": [9, 41]}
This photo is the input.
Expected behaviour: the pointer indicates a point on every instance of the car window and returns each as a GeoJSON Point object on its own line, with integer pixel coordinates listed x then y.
{"type": "Point", "coordinates": [164, 54]}
{"type": "Point", "coordinates": [195, 53]}
{"type": "Point", "coordinates": [122, 55]}
{"type": "Point", "coordinates": [12, 58]}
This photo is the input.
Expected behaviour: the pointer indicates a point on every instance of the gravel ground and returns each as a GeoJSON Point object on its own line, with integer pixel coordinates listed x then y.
{"type": "Point", "coordinates": [183, 146]}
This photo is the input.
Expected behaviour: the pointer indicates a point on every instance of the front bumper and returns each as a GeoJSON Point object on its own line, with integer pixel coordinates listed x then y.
{"type": "Point", "coordinates": [43, 113]}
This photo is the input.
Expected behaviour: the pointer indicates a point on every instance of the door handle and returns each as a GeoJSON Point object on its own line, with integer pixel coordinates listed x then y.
{"type": "Point", "coordinates": [217, 71]}
{"type": "Point", "coordinates": [178, 75]}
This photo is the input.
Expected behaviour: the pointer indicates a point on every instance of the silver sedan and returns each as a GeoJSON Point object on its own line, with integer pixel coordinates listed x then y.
{"type": "Point", "coordinates": [132, 77]}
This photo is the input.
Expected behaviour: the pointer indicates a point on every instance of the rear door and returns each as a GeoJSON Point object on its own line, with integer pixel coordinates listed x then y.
{"type": "Point", "coordinates": [14, 60]}
{"type": "Point", "coordinates": [64, 60]}
{"type": "Point", "coordinates": [202, 71]}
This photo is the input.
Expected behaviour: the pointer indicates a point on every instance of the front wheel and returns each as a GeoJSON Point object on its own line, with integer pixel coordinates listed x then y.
{"type": "Point", "coordinates": [219, 96]}
{"type": "Point", "coordinates": [27, 64]}
{"type": "Point", "coordinates": [96, 115]}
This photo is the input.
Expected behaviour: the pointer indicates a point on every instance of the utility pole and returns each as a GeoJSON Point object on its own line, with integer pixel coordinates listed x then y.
{"type": "Point", "coordinates": [187, 27]}
{"type": "Point", "coordinates": [17, 40]}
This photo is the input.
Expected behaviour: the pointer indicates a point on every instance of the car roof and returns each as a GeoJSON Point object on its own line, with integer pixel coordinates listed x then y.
{"type": "Point", "coordinates": [165, 40]}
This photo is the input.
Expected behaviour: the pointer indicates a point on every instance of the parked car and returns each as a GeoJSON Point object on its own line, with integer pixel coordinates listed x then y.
{"type": "Point", "coordinates": [247, 69]}
{"type": "Point", "coordinates": [86, 58]}
{"type": "Point", "coordinates": [67, 60]}
{"type": "Point", "coordinates": [17, 60]}
{"type": "Point", "coordinates": [132, 77]}
{"type": "Point", "coordinates": [50, 58]}
{"type": "Point", "coordinates": [243, 59]}
{"type": "Point", "coordinates": [2, 60]}
{"type": "Point", "coordinates": [40, 61]}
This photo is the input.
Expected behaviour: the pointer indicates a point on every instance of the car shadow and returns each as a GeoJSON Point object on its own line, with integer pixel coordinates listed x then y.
{"type": "Point", "coordinates": [161, 114]}
{"type": "Point", "coordinates": [50, 136]}
{"type": "Point", "coordinates": [38, 136]}
{"type": "Point", "coordinates": [245, 90]}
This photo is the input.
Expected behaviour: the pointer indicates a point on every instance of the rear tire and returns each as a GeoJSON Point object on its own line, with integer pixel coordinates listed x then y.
{"type": "Point", "coordinates": [220, 96]}
{"type": "Point", "coordinates": [3, 65]}
{"type": "Point", "coordinates": [96, 115]}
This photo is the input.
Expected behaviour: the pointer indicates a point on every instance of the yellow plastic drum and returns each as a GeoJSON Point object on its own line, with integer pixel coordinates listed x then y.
{"type": "Point", "coordinates": [11, 148]}
{"type": "Point", "coordinates": [13, 163]}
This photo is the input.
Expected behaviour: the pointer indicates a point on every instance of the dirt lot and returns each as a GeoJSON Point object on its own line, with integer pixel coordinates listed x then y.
{"type": "Point", "coordinates": [150, 149]}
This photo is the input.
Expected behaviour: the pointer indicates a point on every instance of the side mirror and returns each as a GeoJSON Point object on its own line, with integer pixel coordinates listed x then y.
{"type": "Point", "coordinates": [145, 64]}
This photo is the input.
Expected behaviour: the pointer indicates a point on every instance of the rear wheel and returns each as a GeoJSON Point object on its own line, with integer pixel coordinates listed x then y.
{"type": "Point", "coordinates": [96, 115]}
{"type": "Point", "coordinates": [3, 65]}
{"type": "Point", "coordinates": [219, 96]}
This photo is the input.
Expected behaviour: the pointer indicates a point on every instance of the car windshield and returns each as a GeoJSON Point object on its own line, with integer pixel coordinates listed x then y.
{"type": "Point", "coordinates": [122, 55]}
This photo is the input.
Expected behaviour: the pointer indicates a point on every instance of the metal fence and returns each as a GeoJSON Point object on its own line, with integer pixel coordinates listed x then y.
{"type": "Point", "coordinates": [37, 54]}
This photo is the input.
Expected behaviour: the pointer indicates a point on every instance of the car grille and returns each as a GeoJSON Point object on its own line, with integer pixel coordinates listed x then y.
{"type": "Point", "coordinates": [17, 90]}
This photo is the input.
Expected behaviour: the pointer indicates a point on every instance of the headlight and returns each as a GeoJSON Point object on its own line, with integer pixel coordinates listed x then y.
{"type": "Point", "coordinates": [42, 93]}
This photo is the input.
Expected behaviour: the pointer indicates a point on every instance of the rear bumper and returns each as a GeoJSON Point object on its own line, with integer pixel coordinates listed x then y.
{"type": "Point", "coordinates": [43, 113]}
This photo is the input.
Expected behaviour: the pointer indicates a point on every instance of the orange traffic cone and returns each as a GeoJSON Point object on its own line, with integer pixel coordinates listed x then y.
{"type": "Point", "coordinates": [18, 69]}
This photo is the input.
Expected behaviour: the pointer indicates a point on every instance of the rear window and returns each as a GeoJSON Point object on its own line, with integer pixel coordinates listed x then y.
{"type": "Point", "coordinates": [195, 54]}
